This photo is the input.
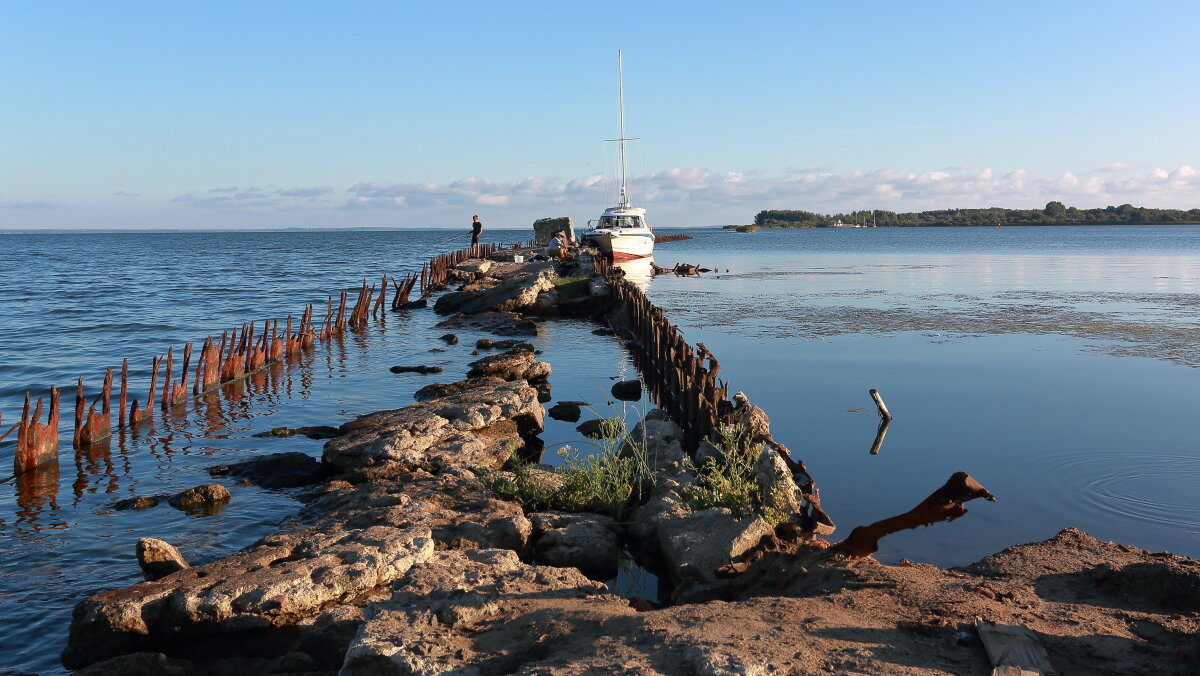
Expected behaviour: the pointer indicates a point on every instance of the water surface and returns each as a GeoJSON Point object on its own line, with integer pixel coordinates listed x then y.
{"type": "Point", "coordinates": [1056, 365]}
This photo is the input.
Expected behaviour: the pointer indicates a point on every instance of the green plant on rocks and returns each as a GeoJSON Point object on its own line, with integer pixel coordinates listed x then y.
{"type": "Point", "coordinates": [521, 485]}
{"type": "Point", "coordinates": [727, 479]}
{"type": "Point", "coordinates": [611, 481]}
{"type": "Point", "coordinates": [570, 288]}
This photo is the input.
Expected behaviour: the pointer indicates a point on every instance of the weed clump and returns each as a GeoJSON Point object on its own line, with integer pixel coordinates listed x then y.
{"type": "Point", "coordinates": [611, 482]}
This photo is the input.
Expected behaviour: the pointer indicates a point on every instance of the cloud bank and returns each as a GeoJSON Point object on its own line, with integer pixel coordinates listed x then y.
{"type": "Point", "coordinates": [809, 188]}
{"type": "Point", "coordinates": [678, 196]}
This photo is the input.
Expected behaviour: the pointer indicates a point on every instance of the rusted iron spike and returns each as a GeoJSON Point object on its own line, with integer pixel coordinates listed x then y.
{"type": "Point", "coordinates": [136, 414]}
{"type": "Point", "coordinates": [383, 286]}
{"type": "Point", "coordinates": [944, 504]}
{"type": "Point", "coordinates": [80, 403]}
{"type": "Point", "coordinates": [124, 390]}
{"type": "Point", "coordinates": [181, 393]}
{"type": "Point", "coordinates": [93, 426]}
{"type": "Point", "coordinates": [248, 351]}
{"type": "Point", "coordinates": [340, 325]}
{"type": "Point", "coordinates": [166, 394]}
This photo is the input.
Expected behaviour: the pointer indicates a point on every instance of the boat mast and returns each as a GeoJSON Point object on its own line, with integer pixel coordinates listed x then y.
{"type": "Point", "coordinates": [624, 201]}
{"type": "Point", "coordinates": [621, 130]}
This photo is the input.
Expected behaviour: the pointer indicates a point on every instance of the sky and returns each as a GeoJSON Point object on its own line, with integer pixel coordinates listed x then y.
{"type": "Point", "coordinates": [275, 114]}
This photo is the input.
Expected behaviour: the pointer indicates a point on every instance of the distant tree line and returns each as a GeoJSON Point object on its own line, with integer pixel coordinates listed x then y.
{"type": "Point", "coordinates": [1055, 213]}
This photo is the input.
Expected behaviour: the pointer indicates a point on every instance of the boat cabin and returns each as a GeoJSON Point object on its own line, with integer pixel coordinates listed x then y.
{"type": "Point", "coordinates": [620, 220]}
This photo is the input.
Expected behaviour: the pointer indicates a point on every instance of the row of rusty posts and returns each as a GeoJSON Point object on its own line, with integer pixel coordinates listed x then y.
{"type": "Point", "coordinates": [437, 270]}
{"type": "Point", "coordinates": [675, 237]}
{"type": "Point", "coordinates": [236, 354]}
{"type": "Point", "coordinates": [679, 380]}
{"type": "Point", "coordinates": [435, 273]}
{"type": "Point", "coordinates": [222, 361]}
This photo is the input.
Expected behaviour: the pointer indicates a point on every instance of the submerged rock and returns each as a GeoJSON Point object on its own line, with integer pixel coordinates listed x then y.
{"type": "Point", "coordinates": [314, 432]}
{"type": "Point", "coordinates": [627, 390]}
{"type": "Point", "coordinates": [206, 497]}
{"type": "Point", "coordinates": [277, 470]}
{"type": "Point", "coordinates": [567, 411]}
{"type": "Point", "coordinates": [158, 558]}
{"type": "Point", "coordinates": [488, 344]}
{"type": "Point", "coordinates": [422, 369]}
{"type": "Point", "coordinates": [499, 323]}
{"type": "Point", "coordinates": [601, 428]}
{"type": "Point", "coordinates": [450, 339]}
{"type": "Point", "coordinates": [139, 502]}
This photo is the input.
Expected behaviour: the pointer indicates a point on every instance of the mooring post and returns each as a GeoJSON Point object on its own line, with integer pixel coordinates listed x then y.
{"type": "Point", "coordinates": [883, 410]}
{"type": "Point", "coordinates": [879, 435]}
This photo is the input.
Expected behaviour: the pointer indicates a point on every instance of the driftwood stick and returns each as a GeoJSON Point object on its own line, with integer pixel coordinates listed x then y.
{"type": "Point", "coordinates": [879, 435]}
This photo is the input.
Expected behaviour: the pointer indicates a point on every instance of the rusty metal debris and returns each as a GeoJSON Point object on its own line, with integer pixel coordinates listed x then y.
{"type": "Point", "coordinates": [92, 427]}
{"type": "Point", "coordinates": [37, 443]}
{"type": "Point", "coordinates": [944, 504]}
{"type": "Point", "coordinates": [676, 237]}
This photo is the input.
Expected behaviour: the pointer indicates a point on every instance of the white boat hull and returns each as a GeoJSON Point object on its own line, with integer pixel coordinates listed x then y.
{"type": "Point", "coordinates": [624, 245]}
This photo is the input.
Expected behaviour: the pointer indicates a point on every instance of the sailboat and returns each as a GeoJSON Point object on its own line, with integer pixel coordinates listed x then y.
{"type": "Point", "coordinates": [621, 232]}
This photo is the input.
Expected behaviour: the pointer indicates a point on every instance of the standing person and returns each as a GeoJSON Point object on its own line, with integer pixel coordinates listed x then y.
{"type": "Point", "coordinates": [476, 229]}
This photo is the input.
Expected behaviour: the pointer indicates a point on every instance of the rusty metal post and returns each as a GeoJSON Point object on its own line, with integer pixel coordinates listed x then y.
{"type": "Point", "coordinates": [37, 443]}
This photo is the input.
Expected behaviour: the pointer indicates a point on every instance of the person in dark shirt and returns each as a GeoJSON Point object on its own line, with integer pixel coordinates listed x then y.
{"type": "Point", "coordinates": [476, 229]}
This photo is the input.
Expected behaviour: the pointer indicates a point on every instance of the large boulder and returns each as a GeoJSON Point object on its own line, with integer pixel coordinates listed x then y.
{"type": "Point", "coordinates": [512, 295]}
{"type": "Point", "coordinates": [661, 438]}
{"type": "Point", "coordinates": [695, 544]}
{"type": "Point", "coordinates": [439, 390]}
{"type": "Point", "coordinates": [279, 580]}
{"type": "Point", "coordinates": [778, 489]}
{"type": "Point", "coordinates": [511, 365]}
{"type": "Point", "coordinates": [585, 541]}
{"type": "Point", "coordinates": [477, 427]}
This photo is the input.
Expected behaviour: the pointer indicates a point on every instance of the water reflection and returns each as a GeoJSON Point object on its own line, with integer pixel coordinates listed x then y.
{"type": "Point", "coordinates": [638, 271]}
{"type": "Point", "coordinates": [37, 499]}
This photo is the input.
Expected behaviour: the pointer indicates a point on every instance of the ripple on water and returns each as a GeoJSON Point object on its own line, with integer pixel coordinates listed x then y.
{"type": "Point", "coordinates": [1153, 488]}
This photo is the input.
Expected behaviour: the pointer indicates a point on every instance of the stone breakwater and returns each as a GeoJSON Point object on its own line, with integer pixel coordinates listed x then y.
{"type": "Point", "coordinates": [403, 561]}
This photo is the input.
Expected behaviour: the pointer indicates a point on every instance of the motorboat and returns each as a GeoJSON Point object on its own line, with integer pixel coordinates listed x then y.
{"type": "Point", "coordinates": [621, 232]}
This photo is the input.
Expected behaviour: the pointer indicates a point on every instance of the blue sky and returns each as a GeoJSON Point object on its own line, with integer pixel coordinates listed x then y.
{"type": "Point", "coordinates": [306, 114]}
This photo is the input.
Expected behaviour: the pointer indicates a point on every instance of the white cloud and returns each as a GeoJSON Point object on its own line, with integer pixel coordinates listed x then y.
{"type": "Point", "coordinates": [695, 193]}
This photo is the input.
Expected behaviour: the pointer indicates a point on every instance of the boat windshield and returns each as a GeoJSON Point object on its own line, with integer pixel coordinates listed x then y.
{"type": "Point", "coordinates": [621, 222]}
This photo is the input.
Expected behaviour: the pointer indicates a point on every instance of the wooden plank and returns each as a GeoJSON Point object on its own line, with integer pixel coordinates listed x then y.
{"type": "Point", "coordinates": [1010, 646]}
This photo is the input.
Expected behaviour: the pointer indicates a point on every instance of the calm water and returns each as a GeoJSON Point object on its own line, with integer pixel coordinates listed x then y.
{"type": "Point", "coordinates": [1056, 365]}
